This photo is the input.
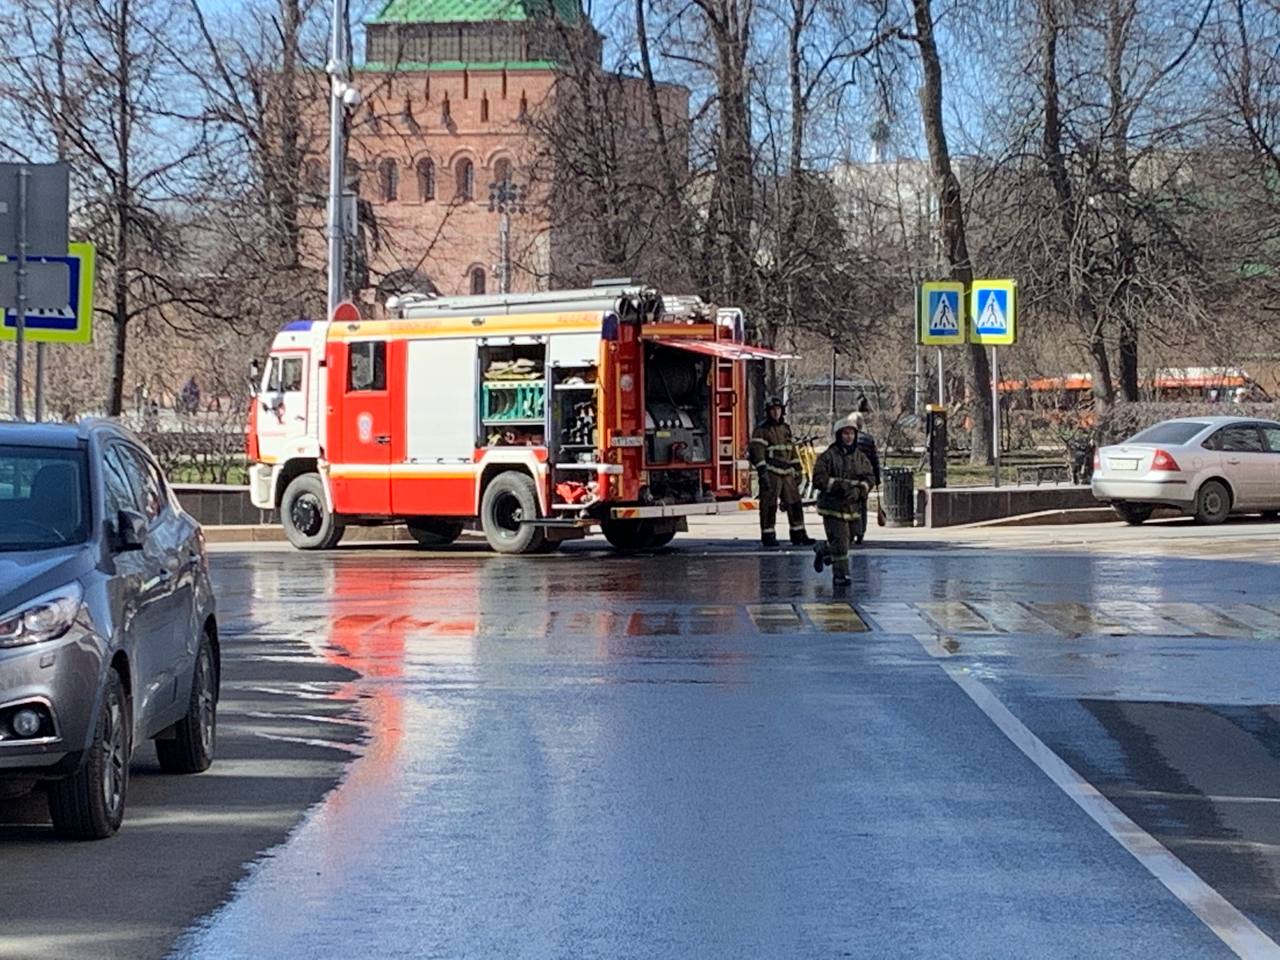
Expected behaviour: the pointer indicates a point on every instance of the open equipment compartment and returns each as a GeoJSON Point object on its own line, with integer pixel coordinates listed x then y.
{"type": "Point", "coordinates": [513, 393]}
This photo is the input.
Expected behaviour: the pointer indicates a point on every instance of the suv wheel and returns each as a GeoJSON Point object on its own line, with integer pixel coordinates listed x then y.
{"type": "Point", "coordinates": [188, 745]}
{"type": "Point", "coordinates": [89, 804]}
{"type": "Point", "coordinates": [307, 520]}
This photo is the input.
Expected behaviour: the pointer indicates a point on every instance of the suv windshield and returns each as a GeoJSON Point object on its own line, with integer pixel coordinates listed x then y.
{"type": "Point", "coordinates": [1171, 432]}
{"type": "Point", "coordinates": [44, 497]}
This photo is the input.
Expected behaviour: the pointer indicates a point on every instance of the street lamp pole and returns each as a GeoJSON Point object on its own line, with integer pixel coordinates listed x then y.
{"type": "Point", "coordinates": [505, 198]}
{"type": "Point", "coordinates": [341, 97]}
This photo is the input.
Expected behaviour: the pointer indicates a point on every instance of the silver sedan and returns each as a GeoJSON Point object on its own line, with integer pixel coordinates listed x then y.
{"type": "Point", "coordinates": [1207, 467]}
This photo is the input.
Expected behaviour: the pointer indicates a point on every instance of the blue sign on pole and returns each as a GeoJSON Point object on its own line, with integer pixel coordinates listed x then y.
{"type": "Point", "coordinates": [941, 320]}
{"type": "Point", "coordinates": [994, 312]}
{"type": "Point", "coordinates": [73, 321]}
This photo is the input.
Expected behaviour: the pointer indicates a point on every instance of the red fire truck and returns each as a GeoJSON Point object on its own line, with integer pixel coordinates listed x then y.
{"type": "Point", "coordinates": [541, 416]}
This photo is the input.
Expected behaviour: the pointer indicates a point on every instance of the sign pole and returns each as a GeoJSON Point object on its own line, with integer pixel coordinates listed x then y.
{"type": "Point", "coordinates": [942, 390]}
{"type": "Point", "coordinates": [995, 411]}
{"type": "Point", "coordinates": [40, 381]}
{"type": "Point", "coordinates": [20, 277]}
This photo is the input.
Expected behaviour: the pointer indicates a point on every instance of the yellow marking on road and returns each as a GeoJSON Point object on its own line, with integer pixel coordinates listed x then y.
{"type": "Point", "coordinates": [834, 617]}
{"type": "Point", "coordinates": [775, 618]}
{"type": "Point", "coordinates": [952, 616]}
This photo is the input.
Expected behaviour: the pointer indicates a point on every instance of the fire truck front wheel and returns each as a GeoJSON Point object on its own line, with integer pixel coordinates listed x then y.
{"type": "Point", "coordinates": [509, 499]}
{"type": "Point", "coordinates": [308, 522]}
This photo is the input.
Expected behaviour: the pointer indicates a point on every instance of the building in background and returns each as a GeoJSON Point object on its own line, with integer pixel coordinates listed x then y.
{"type": "Point", "coordinates": [454, 94]}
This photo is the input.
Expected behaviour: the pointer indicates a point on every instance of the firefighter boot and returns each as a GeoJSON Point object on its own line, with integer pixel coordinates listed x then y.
{"type": "Point", "coordinates": [795, 517]}
{"type": "Point", "coordinates": [840, 572]}
{"type": "Point", "coordinates": [801, 538]}
{"type": "Point", "coordinates": [769, 539]}
{"type": "Point", "coordinates": [821, 557]}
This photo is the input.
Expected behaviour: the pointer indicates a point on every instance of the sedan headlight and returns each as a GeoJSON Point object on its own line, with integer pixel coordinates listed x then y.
{"type": "Point", "coordinates": [44, 618]}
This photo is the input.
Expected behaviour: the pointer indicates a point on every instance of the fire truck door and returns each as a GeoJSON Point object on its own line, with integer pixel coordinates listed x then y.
{"type": "Point", "coordinates": [282, 399]}
{"type": "Point", "coordinates": [365, 484]}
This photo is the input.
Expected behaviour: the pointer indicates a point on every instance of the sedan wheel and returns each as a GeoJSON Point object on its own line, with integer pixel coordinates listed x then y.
{"type": "Point", "coordinates": [1213, 503]}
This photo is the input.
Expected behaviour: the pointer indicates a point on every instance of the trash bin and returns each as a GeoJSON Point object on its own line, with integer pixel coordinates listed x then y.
{"type": "Point", "coordinates": [898, 496]}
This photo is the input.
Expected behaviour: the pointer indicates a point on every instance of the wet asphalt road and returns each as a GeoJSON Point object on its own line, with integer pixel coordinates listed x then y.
{"type": "Point", "coordinates": [707, 754]}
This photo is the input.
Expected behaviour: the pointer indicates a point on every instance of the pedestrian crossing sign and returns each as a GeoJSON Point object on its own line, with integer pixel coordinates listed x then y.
{"type": "Point", "coordinates": [993, 306]}
{"type": "Point", "coordinates": [940, 319]}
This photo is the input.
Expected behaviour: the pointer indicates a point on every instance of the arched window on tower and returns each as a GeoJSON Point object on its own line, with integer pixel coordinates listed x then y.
{"type": "Point", "coordinates": [477, 281]}
{"type": "Point", "coordinates": [466, 185]}
{"type": "Point", "coordinates": [426, 179]}
{"type": "Point", "coordinates": [502, 170]}
{"type": "Point", "coordinates": [388, 180]}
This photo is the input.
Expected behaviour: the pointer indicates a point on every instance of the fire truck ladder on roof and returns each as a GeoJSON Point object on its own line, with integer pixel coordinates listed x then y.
{"type": "Point", "coordinates": [602, 299]}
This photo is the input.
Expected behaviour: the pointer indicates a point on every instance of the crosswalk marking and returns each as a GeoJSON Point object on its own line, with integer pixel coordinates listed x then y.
{"type": "Point", "coordinates": [1109, 617]}
{"type": "Point", "coordinates": [1009, 616]}
{"type": "Point", "coordinates": [1143, 618]}
{"type": "Point", "coordinates": [952, 616]}
{"type": "Point", "coordinates": [893, 617]}
{"type": "Point", "coordinates": [775, 618]}
{"type": "Point", "coordinates": [834, 617]}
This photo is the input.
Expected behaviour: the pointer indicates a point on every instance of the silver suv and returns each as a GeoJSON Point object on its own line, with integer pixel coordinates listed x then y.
{"type": "Point", "coordinates": [107, 626]}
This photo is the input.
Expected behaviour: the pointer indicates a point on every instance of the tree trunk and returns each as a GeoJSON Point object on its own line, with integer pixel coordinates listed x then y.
{"type": "Point", "coordinates": [1083, 304]}
{"type": "Point", "coordinates": [951, 221]}
{"type": "Point", "coordinates": [1120, 20]}
{"type": "Point", "coordinates": [289, 176]}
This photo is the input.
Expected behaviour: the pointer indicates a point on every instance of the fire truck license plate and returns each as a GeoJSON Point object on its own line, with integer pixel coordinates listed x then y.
{"type": "Point", "coordinates": [626, 442]}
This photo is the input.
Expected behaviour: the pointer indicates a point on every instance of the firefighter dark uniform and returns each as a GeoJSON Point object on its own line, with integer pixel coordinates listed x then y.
{"type": "Point", "coordinates": [773, 453]}
{"type": "Point", "coordinates": [843, 477]}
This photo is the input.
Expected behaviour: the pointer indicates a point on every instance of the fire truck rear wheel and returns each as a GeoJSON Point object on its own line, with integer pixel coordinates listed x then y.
{"type": "Point", "coordinates": [509, 499]}
{"type": "Point", "coordinates": [308, 522]}
{"type": "Point", "coordinates": [434, 533]}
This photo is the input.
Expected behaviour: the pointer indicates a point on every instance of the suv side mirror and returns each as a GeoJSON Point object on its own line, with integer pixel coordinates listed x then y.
{"type": "Point", "coordinates": [131, 530]}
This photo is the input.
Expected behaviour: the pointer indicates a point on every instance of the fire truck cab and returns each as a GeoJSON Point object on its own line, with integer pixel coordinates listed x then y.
{"type": "Point", "coordinates": [536, 416]}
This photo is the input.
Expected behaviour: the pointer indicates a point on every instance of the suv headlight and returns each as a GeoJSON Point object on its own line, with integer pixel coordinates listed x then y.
{"type": "Point", "coordinates": [45, 618]}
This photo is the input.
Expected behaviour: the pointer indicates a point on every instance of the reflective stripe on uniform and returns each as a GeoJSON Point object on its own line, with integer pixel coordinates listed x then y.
{"type": "Point", "coordinates": [768, 530]}
{"type": "Point", "coordinates": [840, 556]}
{"type": "Point", "coordinates": [838, 515]}
{"type": "Point", "coordinates": [762, 443]}
{"type": "Point", "coordinates": [782, 471]}
{"type": "Point", "coordinates": [781, 447]}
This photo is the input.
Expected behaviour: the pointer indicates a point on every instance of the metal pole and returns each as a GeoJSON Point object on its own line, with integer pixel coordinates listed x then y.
{"type": "Point", "coordinates": [337, 70]}
{"type": "Point", "coordinates": [20, 321]}
{"type": "Point", "coordinates": [833, 385]}
{"type": "Point", "coordinates": [942, 385]}
{"type": "Point", "coordinates": [504, 246]}
{"type": "Point", "coordinates": [40, 382]}
{"type": "Point", "coordinates": [915, 407]}
{"type": "Point", "coordinates": [995, 412]}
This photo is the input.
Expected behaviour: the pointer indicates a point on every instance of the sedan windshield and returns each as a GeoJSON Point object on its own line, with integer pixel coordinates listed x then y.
{"type": "Point", "coordinates": [1172, 432]}
{"type": "Point", "coordinates": [44, 497]}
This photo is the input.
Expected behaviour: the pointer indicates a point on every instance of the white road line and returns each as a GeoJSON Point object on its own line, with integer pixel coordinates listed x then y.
{"type": "Point", "coordinates": [1230, 925]}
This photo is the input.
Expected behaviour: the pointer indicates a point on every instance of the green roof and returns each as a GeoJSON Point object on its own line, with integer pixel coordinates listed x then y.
{"type": "Point", "coordinates": [476, 11]}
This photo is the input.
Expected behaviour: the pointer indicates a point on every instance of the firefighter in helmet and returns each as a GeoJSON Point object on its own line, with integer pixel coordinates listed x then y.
{"type": "Point", "coordinates": [773, 453]}
{"type": "Point", "coordinates": [843, 477]}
